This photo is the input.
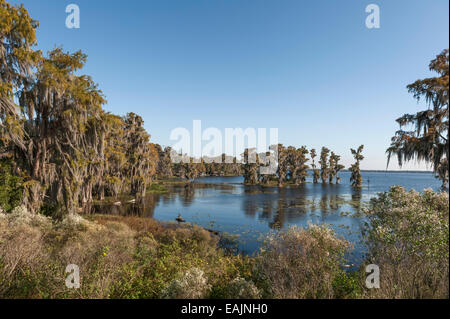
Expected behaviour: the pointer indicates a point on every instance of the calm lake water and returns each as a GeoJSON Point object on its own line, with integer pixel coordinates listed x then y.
{"type": "Point", "coordinates": [250, 212]}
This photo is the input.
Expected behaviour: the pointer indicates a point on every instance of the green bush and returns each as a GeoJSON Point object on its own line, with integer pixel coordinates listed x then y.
{"type": "Point", "coordinates": [11, 190]}
{"type": "Point", "coordinates": [408, 238]}
{"type": "Point", "coordinates": [348, 285]}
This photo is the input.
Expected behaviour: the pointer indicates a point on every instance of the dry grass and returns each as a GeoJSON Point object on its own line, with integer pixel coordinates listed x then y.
{"type": "Point", "coordinates": [137, 224]}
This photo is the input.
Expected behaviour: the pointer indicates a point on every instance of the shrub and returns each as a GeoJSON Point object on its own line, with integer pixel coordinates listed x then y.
{"type": "Point", "coordinates": [408, 238]}
{"type": "Point", "coordinates": [301, 263]}
{"type": "Point", "coordinates": [239, 288]}
{"type": "Point", "coordinates": [192, 285]}
{"type": "Point", "coordinates": [20, 216]}
{"type": "Point", "coordinates": [34, 253]}
{"type": "Point", "coordinates": [24, 261]}
{"type": "Point", "coordinates": [11, 190]}
{"type": "Point", "coordinates": [163, 252]}
{"type": "Point", "coordinates": [100, 251]}
{"type": "Point", "coordinates": [349, 285]}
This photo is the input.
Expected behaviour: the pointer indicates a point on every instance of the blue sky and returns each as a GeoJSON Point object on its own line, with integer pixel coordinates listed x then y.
{"type": "Point", "coordinates": [309, 68]}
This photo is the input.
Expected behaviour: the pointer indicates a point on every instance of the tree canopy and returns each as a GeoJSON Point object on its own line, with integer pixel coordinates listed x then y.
{"type": "Point", "coordinates": [427, 138]}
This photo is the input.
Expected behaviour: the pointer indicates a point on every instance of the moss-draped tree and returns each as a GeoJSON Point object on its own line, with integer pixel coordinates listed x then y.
{"type": "Point", "coordinates": [298, 166]}
{"type": "Point", "coordinates": [324, 169]}
{"type": "Point", "coordinates": [356, 177]}
{"type": "Point", "coordinates": [141, 155]}
{"type": "Point", "coordinates": [316, 172]}
{"type": "Point", "coordinates": [17, 58]}
{"type": "Point", "coordinates": [61, 116]}
{"type": "Point", "coordinates": [283, 165]}
{"type": "Point", "coordinates": [251, 167]}
{"type": "Point", "coordinates": [335, 168]}
{"type": "Point", "coordinates": [54, 133]}
{"type": "Point", "coordinates": [428, 139]}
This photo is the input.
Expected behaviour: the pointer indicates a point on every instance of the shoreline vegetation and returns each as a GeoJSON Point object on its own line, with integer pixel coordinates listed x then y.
{"type": "Point", "coordinates": [134, 257]}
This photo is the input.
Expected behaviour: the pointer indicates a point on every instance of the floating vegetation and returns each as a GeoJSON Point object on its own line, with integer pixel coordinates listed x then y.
{"type": "Point", "coordinates": [157, 189]}
{"type": "Point", "coordinates": [345, 214]}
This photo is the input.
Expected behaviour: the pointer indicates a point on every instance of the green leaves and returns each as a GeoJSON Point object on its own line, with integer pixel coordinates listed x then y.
{"type": "Point", "coordinates": [413, 223]}
{"type": "Point", "coordinates": [11, 189]}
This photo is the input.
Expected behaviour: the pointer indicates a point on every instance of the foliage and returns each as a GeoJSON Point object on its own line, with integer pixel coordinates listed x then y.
{"type": "Point", "coordinates": [335, 168]}
{"type": "Point", "coordinates": [298, 168]}
{"type": "Point", "coordinates": [251, 167]}
{"type": "Point", "coordinates": [11, 189]}
{"type": "Point", "coordinates": [428, 140]}
{"type": "Point", "coordinates": [408, 238]}
{"type": "Point", "coordinates": [301, 263]}
{"type": "Point", "coordinates": [356, 177]}
{"type": "Point", "coordinates": [316, 172]}
{"type": "Point", "coordinates": [239, 288]}
{"type": "Point", "coordinates": [117, 257]}
{"type": "Point", "coordinates": [17, 58]}
{"type": "Point", "coordinates": [191, 285]}
{"type": "Point", "coordinates": [141, 155]}
{"type": "Point", "coordinates": [324, 169]}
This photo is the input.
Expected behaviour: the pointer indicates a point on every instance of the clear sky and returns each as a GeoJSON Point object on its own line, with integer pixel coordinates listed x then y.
{"type": "Point", "coordinates": [309, 68]}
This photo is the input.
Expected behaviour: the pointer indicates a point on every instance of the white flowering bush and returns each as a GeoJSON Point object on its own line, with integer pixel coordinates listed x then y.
{"type": "Point", "coordinates": [74, 222]}
{"type": "Point", "coordinates": [192, 285]}
{"type": "Point", "coordinates": [408, 237]}
{"type": "Point", "coordinates": [239, 288]}
{"type": "Point", "coordinates": [20, 216]}
{"type": "Point", "coordinates": [410, 223]}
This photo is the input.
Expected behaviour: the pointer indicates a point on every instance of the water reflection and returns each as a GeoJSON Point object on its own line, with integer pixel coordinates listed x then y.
{"type": "Point", "coordinates": [356, 199]}
{"type": "Point", "coordinates": [189, 194]}
{"type": "Point", "coordinates": [274, 206]}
